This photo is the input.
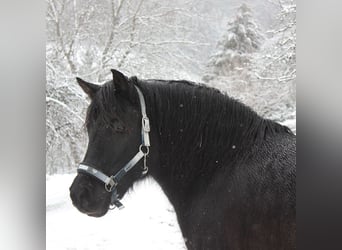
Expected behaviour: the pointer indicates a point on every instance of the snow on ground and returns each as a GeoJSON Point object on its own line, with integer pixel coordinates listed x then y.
{"type": "Point", "coordinates": [148, 220]}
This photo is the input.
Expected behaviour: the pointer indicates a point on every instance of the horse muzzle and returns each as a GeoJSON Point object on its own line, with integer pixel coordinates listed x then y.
{"type": "Point", "coordinates": [87, 202]}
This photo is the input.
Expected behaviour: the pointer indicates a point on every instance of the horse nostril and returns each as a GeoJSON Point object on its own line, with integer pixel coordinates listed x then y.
{"type": "Point", "coordinates": [80, 197]}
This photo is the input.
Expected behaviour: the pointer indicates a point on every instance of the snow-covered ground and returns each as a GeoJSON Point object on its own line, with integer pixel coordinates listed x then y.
{"type": "Point", "coordinates": [148, 221]}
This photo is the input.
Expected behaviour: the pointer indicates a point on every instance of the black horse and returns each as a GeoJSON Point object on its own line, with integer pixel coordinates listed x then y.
{"type": "Point", "coordinates": [229, 173]}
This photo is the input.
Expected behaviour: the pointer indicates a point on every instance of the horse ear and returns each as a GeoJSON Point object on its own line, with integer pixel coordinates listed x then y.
{"type": "Point", "coordinates": [89, 88]}
{"type": "Point", "coordinates": [120, 81]}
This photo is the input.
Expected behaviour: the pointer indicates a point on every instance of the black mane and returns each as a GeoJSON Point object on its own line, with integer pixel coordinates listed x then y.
{"type": "Point", "coordinates": [204, 100]}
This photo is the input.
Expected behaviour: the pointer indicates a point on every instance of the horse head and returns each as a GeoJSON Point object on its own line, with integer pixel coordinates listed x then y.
{"type": "Point", "coordinates": [113, 124]}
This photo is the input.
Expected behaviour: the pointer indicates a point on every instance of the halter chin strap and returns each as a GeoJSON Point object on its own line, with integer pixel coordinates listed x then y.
{"type": "Point", "coordinates": [111, 182]}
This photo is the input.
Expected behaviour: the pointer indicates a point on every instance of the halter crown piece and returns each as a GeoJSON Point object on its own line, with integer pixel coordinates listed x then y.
{"type": "Point", "coordinates": [111, 182]}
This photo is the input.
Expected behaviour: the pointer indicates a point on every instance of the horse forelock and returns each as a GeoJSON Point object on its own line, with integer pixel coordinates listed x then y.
{"type": "Point", "coordinates": [105, 106]}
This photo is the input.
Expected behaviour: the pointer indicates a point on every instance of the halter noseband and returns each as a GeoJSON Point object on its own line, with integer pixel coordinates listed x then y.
{"type": "Point", "coordinates": [112, 181]}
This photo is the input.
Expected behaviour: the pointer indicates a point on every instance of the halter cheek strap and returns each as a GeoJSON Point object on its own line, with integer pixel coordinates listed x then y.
{"type": "Point", "coordinates": [111, 182]}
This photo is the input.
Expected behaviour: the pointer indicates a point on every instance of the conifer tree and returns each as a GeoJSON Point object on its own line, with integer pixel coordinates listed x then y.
{"type": "Point", "coordinates": [241, 38]}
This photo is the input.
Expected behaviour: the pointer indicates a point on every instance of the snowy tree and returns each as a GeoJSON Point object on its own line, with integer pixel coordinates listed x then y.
{"type": "Point", "coordinates": [263, 76]}
{"type": "Point", "coordinates": [65, 137]}
{"type": "Point", "coordinates": [275, 66]}
{"type": "Point", "coordinates": [281, 61]}
{"type": "Point", "coordinates": [242, 37]}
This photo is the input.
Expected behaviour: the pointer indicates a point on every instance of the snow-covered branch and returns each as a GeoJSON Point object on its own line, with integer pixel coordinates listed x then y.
{"type": "Point", "coordinates": [49, 99]}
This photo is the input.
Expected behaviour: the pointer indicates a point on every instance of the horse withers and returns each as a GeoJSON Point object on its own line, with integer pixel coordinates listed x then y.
{"type": "Point", "coordinates": [229, 173]}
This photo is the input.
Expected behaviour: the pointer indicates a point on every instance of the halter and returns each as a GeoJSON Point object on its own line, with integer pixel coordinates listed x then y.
{"type": "Point", "coordinates": [112, 181]}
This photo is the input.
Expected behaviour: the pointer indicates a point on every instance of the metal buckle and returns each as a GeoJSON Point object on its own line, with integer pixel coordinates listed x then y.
{"type": "Point", "coordinates": [109, 186]}
{"type": "Point", "coordinates": [146, 124]}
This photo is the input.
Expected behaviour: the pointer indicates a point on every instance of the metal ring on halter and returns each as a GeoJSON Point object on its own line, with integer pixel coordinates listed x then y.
{"type": "Point", "coordinates": [145, 147]}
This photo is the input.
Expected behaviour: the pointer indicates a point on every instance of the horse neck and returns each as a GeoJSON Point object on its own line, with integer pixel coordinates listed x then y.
{"type": "Point", "coordinates": [188, 142]}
